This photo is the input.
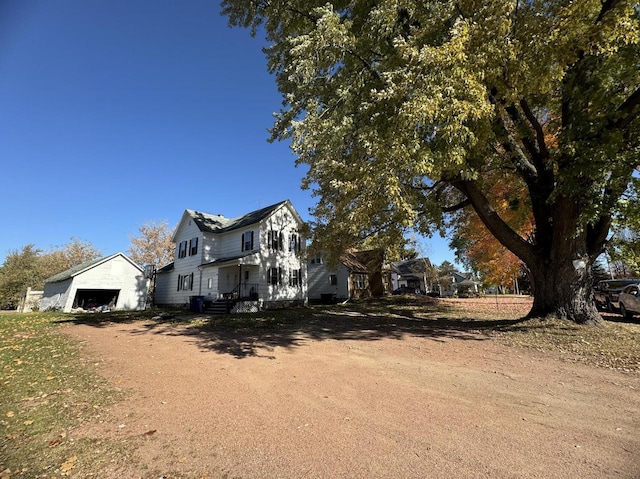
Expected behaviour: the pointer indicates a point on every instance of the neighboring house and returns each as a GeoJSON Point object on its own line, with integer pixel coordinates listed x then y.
{"type": "Point", "coordinates": [113, 282]}
{"type": "Point", "coordinates": [357, 275]}
{"type": "Point", "coordinates": [458, 284]}
{"type": "Point", "coordinates": [253, 261]}
{"type": "Point", "coordinates": [412, 273]}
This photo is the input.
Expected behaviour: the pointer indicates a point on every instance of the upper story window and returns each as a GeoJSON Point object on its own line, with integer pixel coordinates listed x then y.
{"type": "Point", "coordinates": [275, 239]}
{"type": "Point", "coordinates": [188, 248]}
{"type": "Point", "coordinates": [294, 243]}
{"type": "Point", "coordinates": [317, 259]}
{"type": "Point", "coordinates": [182, 249]}
{"type": "Point", "coordinates": [247, 241]}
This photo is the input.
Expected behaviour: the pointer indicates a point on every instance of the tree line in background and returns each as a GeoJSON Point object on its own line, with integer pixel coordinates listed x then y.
{"type": "Point", "coordinates": [30, 266]}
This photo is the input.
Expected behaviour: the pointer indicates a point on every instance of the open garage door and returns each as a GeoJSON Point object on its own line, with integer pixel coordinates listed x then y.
{"type": "Point", "coordinates": [93, 299]}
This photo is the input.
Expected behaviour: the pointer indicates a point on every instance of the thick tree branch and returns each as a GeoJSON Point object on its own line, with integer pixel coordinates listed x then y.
{"type": "Point", "coordinates": [629, 110]}
{"type": "Point", "coordinates": [456, 207]}
{"type": "Point", "coordinates": [607, 6]}
{"type": "Point", "coordinates": [494, 223]}
{"type": "Point", "coordinates": [537, 127]}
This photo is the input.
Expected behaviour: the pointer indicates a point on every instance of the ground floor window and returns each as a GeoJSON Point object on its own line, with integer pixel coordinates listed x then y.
{"type": "Point", "coordinates": [295, 277]}
{"type": "Point", "coordinates": [360, 281]}
{"type": "Point", "coordinates": [274, 276]}
{"type": "Point", "coordinates": [185, 283]}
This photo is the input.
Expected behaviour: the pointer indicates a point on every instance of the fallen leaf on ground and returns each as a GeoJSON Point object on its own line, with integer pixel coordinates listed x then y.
{"type": "Point", "coordinates": [54, 442]}
{"type": "Point", "coordinates": [149, 433]}
{"type": "Point", "coordinates": [68, 465]}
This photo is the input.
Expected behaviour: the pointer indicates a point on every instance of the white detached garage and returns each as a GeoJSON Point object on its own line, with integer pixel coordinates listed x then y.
{"type": "Point", "coordinates": [113, 282]}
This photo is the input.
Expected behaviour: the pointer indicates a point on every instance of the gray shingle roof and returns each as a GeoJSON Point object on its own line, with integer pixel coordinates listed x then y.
{"type": "Point", "coordinates": [68, 273]}
{"type": "Point", "coordinates": [74, 270]}
{"type": "Point", "coordinates": [219, 224]}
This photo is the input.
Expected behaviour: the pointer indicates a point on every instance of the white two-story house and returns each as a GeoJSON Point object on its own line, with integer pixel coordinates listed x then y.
{"type": "Point", "coordinates": [255, 259]}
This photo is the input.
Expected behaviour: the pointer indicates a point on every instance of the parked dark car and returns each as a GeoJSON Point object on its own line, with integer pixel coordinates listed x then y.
{"type": "Point", "coordinates": [406, 290]}
{"type": "Point", "coordinates": [629, 300]}
{"type": "Point", "coordinates": [608, 290]}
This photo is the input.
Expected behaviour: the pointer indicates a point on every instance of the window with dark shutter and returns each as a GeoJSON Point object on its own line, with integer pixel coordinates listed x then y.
{"type": "Point", "coordinates": [275, 276]}
{"type": "Point", "coordinates": [242, 243]}
{"type": "Point", "coordinates": [182, 249]}
{"type": "Point", "coordinates": [193, 247]}
{"type": "Point", "coordinates": [247, 241]}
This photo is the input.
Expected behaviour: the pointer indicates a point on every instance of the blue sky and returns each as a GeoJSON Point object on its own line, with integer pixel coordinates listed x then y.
{"type": "Point", "coordinates": [113, 113]}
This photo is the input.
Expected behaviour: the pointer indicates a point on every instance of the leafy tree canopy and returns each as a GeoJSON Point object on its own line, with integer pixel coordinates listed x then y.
{"type": "Point", "coordinates": [30, 266]}
{"type": "Point", "coordinates": [403, 109]}
{"type": "Point", "coordinates": [153, 245]}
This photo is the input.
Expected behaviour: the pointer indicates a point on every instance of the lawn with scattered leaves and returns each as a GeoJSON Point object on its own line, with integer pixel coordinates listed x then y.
{"type": "Point", "coordinates": [47, 390]}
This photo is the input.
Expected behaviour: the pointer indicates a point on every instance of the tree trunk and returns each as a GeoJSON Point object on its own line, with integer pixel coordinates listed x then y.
{"type": "Point", "coordinates": [561, 274]}
{"type": "Point", "coordinates": [564, 291]}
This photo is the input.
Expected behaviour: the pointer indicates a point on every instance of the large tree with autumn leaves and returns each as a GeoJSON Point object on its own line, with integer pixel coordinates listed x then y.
{"type": "Point", "coordinates": [402, 109]}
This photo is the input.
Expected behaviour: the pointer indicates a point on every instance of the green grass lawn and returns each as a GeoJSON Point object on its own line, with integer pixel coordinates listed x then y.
{"type": "Point", "coordinates": [47, 389]}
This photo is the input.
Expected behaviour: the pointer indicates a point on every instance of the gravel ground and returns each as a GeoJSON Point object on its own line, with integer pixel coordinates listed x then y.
{"type": "Point", "coordinates": [208, 404]}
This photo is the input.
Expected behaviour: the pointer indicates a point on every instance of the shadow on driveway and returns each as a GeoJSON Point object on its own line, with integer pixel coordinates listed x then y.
{"type": "Point", "coordinates": [255, 335]}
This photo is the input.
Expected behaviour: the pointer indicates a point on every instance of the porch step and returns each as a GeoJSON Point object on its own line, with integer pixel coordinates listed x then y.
{"type": "Point", "coordinates": [219, 307]}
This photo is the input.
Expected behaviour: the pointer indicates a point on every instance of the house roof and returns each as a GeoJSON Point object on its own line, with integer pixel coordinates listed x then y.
{"type": "Point", "coordinates": [363, 261]}
{"type": "Point", "coordinates": [352, 263]}
{"type": "Point", "coordinates": [230, 258]}
{"type": "Point", "coordinates": [81, 268]}
{"type": "Point", "coordinates": [411, 267]}
{"type": "Point", "coordinates": [219, 224]}
{"type": "Point", "coordinates": [166, 268]}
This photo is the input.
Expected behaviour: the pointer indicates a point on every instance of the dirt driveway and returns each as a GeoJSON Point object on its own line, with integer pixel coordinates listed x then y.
{"type": "Point", "coordinates": [365, 405]}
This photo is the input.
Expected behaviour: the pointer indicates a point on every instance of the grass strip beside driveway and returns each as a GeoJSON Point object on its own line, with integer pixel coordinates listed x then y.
{"type": "Point", "coordinates": [47, 390]}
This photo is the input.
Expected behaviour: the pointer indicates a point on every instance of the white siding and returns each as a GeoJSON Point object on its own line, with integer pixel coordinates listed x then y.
{"type": "Point", "coordinates": [55, 296]}
{"type": "Point", "coordinates": [318, 281]}
{"type": "Point", "coordinates": [226, 277]}
{"type": "Point", "coordinates": [210, 247]}
{"type": "Point", "coordinates": [167, 288]}
{"type": "Point", "coordinates": [116, 273]}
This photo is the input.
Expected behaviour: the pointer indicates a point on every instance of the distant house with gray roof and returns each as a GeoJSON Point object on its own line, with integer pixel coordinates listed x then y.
{"type": "Point", "coordinates": [111, 283]}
